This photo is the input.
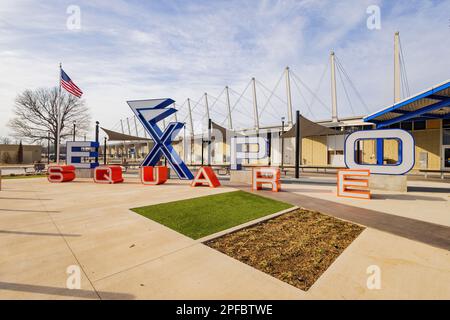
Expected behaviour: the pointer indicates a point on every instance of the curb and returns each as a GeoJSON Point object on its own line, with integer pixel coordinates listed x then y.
{"type": "Point", "coordinates": [244, 225]}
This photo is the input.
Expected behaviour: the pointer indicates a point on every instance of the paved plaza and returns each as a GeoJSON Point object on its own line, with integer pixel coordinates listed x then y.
{"type": "Point", "coordinates": [45, 228]}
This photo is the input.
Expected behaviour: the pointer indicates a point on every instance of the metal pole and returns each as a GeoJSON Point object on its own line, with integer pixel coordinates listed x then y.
{"type": "Point", "coordinates": [289, 97]}
{"type": "Point", "coordinates": [192, 148]}
{"type": "Point", "coordinates": [104, 151]}
{"type": "Point", "coordinates": [255, 106]}
{"type": "Point", "coordinates": [74, 128]}
{"type": "Point", "coordinates": [96, 138]}
{"type": "Point", "coordinates": [202, 149]}
{"type": "Point", "coordinates": [209, 141]}
{"type": "Point", "coordinates": [397, 92]}
{"type": "Point", "coordinates": [58, 117]}
{"type": "Point", "coordinates": [175, 114]}
{"type": "Point", "coordinates": [129, 132]}
{"type": "Point", "coordinates": [191, 127]}
{"type": "Point", "coordinates": [128, 124]}
{"type": "Point", "coordinates": [269, 153]}
{"type": "Point", "coordinates": [123, 132]}
{"type": "Point", "coordinates": [184, 142]}
{"type": "Point", "coordinates": [48, 148]}
{"type": "Point", "coordinates": [282, 143]}
{"type": "Point", "coordinates": [230, 120]}
{"type": "Point", "coordinates": [334, 116]}
{"type": "Point", "coordinates": [209, 130]}
{"type": "Point", "coordinates": [191, 123]}
{"type": "Point", "coordinates": [298, 145]}
{"type": "Point", "coordinates": [207, 106]}
{"type": "Point", "coordinates": [135, 126]}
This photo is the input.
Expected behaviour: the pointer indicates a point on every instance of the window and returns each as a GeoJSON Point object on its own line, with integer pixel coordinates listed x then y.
{"type": "Point", "coordinates": [406, 125]}
{"type": "Point", "coordinates": [446, 123]}
{"type": "Point", "coordinates": [395, 126]}
{"type": "Point", "coordinates": [446, 137]}
{"type": "Point", "coordinates": [366, 151]}
{"type": "Point", "coordinates": [336, 157]}
{"type": "Point", "coordinates": [420, 125]}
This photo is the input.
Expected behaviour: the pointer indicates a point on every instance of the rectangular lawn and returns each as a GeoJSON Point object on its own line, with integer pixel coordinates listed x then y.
{"type": "Point", "coordinates": [199, 217]}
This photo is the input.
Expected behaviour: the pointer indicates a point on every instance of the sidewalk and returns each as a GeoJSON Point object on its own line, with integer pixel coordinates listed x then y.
{"type": "Point", "coordinates": [44, 228]}
{"type": "Point", "coordinates": [429, 233]}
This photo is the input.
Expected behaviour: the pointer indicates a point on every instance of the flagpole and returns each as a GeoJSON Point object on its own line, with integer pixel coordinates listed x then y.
{"type": "Point", "coordinates": [58, 117]}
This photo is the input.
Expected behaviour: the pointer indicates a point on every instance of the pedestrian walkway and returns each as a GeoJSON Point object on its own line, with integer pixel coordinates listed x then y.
{"type": "Point", "coordinates": [429, 233]}
{"type": "Point", "coordinates": [46, 228]}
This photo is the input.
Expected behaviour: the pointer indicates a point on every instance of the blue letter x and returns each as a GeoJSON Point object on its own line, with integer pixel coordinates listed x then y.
{"type": "Point", "coordinates": [149, 112]}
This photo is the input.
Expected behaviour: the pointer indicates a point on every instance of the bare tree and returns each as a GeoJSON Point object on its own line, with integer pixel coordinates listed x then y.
{"type": "Point", "coordinates": [35, 114]}
{"type": "Point", "coordinates": [5, 140]}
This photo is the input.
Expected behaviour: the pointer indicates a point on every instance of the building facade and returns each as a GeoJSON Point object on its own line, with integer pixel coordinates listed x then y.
{"type": "Point", "coordinates": [9, 153]}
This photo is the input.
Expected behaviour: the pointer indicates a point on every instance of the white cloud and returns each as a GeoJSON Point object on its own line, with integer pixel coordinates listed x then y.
{"type": "Point", "coordinates": [182, 49]}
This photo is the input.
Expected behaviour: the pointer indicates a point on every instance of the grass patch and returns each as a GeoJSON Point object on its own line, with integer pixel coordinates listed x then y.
{"type": "Point", "coordinates": [10, 177]}
{"type": "Point", "coordinates": [296, 247]}
{"type": "Point", "coordinates": [200, 217]}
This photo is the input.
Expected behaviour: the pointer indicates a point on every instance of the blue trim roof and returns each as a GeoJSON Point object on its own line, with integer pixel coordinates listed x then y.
{"type": "Point", "coordinates": [421, 105]}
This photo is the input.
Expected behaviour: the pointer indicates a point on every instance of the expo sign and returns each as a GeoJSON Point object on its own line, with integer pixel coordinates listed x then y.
{"type": "Point", "coordinates": [354, 182]}
{"type": "Point", "coordinates": [406, 156]}
{"type": "Point", "coordinates": [150, 112]}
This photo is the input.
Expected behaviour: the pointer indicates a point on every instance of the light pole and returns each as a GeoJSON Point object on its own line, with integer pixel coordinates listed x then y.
{"type": "Point", "coordinates": [184, 142]}
{"type": "Point", "coordinates": [48, 147]}
{"type": "Point", "coordinates": [298, 145]}
{"type": "Point", "coordinates": [104, 151]}
{"type": "Point", "coordinates": [96, 138]}
{"type": "Point", "coordinates": [202, 148]}
{"type": "Point", "coordinates": [74, 128]}
{"type": "Point", "coordinates": [282, 142]}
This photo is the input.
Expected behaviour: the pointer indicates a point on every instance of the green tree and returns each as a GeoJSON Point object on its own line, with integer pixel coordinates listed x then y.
{"type": "Point", "coordinates": [20, 153]}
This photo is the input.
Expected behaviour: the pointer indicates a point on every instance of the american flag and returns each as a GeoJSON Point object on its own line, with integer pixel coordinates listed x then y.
{"type": "Point", "coordinates": [68, 84]}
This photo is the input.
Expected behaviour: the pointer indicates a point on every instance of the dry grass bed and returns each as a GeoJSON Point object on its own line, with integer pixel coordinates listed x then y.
{"type": "Point", "coordinates": [296, 247]}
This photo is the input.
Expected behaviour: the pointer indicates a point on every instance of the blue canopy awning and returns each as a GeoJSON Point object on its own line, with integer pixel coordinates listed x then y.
{"type": "Point", "coordinates": [433, 103]}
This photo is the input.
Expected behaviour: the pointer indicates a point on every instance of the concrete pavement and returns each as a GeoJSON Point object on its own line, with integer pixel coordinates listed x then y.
{"type": "Point", "coordinates": [45, 228]}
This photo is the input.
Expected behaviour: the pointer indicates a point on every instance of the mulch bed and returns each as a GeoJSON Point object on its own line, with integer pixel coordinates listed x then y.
{"type": "Point", "coordinates": [296, 247]}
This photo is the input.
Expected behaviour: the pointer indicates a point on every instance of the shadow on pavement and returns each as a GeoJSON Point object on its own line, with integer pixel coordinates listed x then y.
{"type": "Point", "coordinates": [34, 211]}
{"type": "Point", "coordinates": [429, 189]}
{"type": "Point", "coordinates": [406, 197]}
{"type": "Point", "coordinates": [27, 233]}
{"type": "Point", "coordinates": [74, 293]}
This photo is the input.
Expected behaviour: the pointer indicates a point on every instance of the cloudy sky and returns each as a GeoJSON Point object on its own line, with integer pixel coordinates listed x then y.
{"type": "Point", "coordinates": [134, 49]}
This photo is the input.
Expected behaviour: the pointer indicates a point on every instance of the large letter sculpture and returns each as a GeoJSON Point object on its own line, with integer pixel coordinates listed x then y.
{"type": "Point", "coordinates": [149, 113]}
{"type": "Point", "coordinates": [405, 151]}
{"type": "Point", "coordinates": [205, 175]}
{"type": "Point", "coordinates": [59, 173]}
{"type": "Point", "coordinates": [237, 155]}
{"type": "Point", "coordinates": [76, 150]}
{"type": "Point", "coordinates": [353, 184]}
{"type": "Point", "coordinates": [154, 175]}
{"type": "Point", "coordinates": [269, 175]}
{"type": "Point", "coordinates": [108, 174]}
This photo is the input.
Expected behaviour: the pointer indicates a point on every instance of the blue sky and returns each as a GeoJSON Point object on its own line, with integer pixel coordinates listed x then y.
{"type": "Point", "coordinates": [179, 49]}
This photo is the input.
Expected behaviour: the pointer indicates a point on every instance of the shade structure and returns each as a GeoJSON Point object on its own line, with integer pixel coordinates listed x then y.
{"type": "Point", "coordinates": [117, 136]}
{"type": "Point", "coordinates": [309, 129]}
{"type": "Point", "coordinates": [226, 133]}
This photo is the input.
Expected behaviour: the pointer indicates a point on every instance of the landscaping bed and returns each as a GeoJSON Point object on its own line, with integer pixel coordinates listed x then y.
{"type": "Point", "coordinates": [203, 216]}
{"type": "Point", "coordinates": [296, 247]}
